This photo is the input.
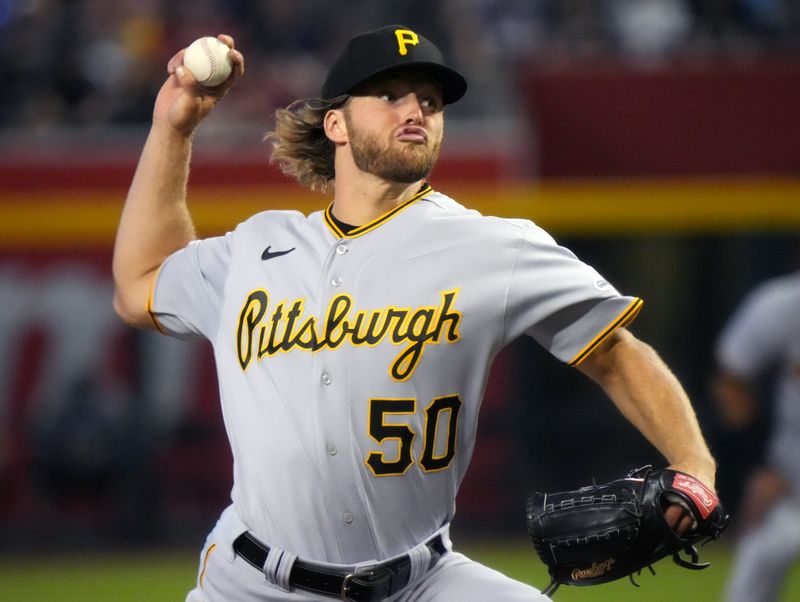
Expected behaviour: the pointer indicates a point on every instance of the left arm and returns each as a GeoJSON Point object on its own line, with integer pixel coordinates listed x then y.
{"type": "Point", "coordinates": [649, 395]}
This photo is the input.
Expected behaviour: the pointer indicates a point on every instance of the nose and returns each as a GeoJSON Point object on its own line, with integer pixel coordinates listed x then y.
{"type": "Point", "coordinates": [414, 113]}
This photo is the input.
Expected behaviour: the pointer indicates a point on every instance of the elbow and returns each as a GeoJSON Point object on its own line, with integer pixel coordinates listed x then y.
{"type": "Point", "coordinates": [119, 307]}
{"type": "Point", "coordinates": [603, 364]}
{"type": "Point", "coordinates": [131, 297]}
{"type": "Point", "coordinates": [130, 313]}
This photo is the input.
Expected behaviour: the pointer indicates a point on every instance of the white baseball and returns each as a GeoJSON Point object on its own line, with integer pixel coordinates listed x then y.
{"type": "Point", "coordinates": [208, 60]}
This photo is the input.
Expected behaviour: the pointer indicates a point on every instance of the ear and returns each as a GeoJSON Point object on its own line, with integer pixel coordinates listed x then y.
{"type": "Point", "coordinates": [335, 126]}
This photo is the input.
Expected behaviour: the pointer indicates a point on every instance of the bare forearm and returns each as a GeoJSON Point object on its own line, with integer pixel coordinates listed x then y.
{"type": "Point", "coordinates": [652, 399]}
{"type": "Point", "coordinates": [155, 220]}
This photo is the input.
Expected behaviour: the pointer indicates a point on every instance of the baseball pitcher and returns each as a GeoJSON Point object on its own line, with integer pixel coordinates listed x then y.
{"type": "Point", "coordinates": [353, 345]}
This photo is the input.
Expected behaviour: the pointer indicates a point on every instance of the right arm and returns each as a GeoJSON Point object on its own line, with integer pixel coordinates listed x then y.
{"type": "Point", "coordinates": [155, 220]}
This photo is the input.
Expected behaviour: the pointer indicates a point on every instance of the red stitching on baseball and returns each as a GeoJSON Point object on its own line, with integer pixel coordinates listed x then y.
{"type": "Point", "coordinates": [211, 59]}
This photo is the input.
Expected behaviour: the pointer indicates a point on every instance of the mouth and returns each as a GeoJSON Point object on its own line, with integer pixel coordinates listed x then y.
{"type": "Point", "coordinates": [412, 133]}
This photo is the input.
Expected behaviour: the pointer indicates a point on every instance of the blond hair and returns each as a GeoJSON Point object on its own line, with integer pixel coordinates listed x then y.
{"type": "Point", "coordinates": [300, 147]}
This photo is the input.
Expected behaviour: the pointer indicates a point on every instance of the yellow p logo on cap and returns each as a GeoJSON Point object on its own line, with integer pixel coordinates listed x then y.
{"type": "Point", "coordinates": [404, 38]}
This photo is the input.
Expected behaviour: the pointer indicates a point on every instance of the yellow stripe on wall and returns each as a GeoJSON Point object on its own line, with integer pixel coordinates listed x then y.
{"type": "Point", "coordinates": [668, 205]}
{"type": "Point", "coordinates": [88, 219]}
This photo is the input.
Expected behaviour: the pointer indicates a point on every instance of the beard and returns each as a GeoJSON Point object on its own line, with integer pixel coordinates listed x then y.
{"type": "Point", "coordinates": [392, 160]}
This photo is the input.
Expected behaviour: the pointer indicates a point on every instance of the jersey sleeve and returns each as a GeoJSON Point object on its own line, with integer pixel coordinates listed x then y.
{"type": "Point", "coordinates": [754, 336]}
{"type": "Point", "coordinates": [188, 290]}
{"type": "Point", "coordinates": [560, 301]}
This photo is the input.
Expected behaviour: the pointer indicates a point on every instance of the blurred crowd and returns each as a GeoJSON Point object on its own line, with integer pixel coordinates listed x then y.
{"type": "Point", "coordinates": [81, 63]}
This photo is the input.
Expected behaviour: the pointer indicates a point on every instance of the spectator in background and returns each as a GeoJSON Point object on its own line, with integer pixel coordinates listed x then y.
{"type": "Point", "coordinates": [764, 335]}
{"type": "Point", "coordinates": [650, 30]}
{"type": "Point", "coordinates": [80, 63]}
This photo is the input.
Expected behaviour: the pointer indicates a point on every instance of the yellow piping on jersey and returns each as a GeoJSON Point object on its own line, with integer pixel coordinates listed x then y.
{"type": "Point", "coordinates": [205, 563]}
{"type": "Point", "coordinates": [150, 296]}
{"type": "Point", "coordinates": [625, 318]}
{"type": "Point", "coordinates": [369, 227]}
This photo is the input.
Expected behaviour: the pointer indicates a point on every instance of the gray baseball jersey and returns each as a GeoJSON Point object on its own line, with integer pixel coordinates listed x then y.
{"type": "Point", "coordinates": [763, 333]}
{"type": "Point", "coordinates": [352, 366]}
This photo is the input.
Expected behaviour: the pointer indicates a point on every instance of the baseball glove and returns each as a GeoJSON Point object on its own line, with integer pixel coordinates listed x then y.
{"type": "Point", "coordinates": [600, 533]}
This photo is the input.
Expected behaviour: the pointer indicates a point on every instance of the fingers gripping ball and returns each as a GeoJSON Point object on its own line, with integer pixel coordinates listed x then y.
{"type": "Point", "coordinates": [208, 60]}
{"type": "Point", "coordinates": [603, 532]}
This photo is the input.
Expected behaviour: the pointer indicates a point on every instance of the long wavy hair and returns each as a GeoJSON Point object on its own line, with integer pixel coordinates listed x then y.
{"type": "Point", "coordinates": [300, 147]}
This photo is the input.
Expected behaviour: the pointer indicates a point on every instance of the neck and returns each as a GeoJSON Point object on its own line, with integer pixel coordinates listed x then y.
{"type": "Point", "coordinates": [362, 197]}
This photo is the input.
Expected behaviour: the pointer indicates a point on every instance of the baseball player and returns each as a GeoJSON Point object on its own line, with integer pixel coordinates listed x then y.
{"type": "Point", "coordinates": [353, 344]}
{"type": "Point", "coordinates": [764, 333]}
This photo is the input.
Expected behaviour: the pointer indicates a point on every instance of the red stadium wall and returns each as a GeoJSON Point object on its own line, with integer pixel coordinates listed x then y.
{"type": "Point", "coordinates": [697, 119]}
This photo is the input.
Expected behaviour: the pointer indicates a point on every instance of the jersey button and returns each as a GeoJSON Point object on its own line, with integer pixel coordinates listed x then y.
{"type": "Point", "coordinates": [347, 517]}
{"type": "Point", "coordinates": [341, 249]}
{"type": "Point", "coordinates": [336, 281]}
{"type": "Point", "coordinates": [326, 378]}
{"type": "Point", "coordinates": [332, 451]}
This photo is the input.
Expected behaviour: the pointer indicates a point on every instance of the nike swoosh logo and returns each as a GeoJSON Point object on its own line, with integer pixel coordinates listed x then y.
{"type": "Point", "coordinates": [267, 254]}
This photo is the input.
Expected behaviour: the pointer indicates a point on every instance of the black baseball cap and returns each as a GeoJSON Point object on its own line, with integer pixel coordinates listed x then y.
{"type": "Point", "coordinates": [387, 48]}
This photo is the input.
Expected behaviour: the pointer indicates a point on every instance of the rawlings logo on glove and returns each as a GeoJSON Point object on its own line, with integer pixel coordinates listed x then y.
{"type": "Point", "coordinates": [703, 498]}
{"type": "Point", "coordinates": [596, 570]}
{"type": "Point", "coordinates": [600, 533]}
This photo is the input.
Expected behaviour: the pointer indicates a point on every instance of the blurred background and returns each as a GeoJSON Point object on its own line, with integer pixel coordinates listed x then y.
{"type": "Point", "coordinates": [658, 139]}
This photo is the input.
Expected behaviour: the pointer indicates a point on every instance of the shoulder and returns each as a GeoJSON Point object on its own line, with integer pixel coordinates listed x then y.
{"type": "Point", "coordinates": [272, 222]}
{"type": "Point", "coordinates": [777, 293]}
{"type": "Point", "coordinates": [276, 217]}
{"type": "Point", "coordinates": [784, 287]}
{"type": "Point", "coordinates": [439, 206]}
{"type": "Point", "coordinates": [767, 313]}
{"type": "Point", "coordinates": [273, 227]}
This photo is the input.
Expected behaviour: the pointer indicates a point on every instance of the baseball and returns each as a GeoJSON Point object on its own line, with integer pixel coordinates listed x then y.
{"type": "Point", "coordinates": [208, 60]}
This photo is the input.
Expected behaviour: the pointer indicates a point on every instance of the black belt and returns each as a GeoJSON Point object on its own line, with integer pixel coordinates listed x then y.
{"type": "Point", "coordinates": [372, 585]}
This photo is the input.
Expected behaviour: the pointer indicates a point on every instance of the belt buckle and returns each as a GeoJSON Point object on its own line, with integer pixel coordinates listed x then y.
{"type": "Point", "coordinates": [350, 576]}
{"type": "Point", "coordinates": [343, 591]}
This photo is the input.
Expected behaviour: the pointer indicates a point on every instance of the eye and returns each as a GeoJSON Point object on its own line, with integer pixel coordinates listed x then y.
{"type": "Point", "coordinates": [431, 102]}
{"type": "Point", "coordinates": [387, 96]}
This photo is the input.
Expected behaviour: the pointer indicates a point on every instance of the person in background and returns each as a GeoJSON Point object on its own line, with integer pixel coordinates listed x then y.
{"type": "Point", "coordinates": [763, 338]}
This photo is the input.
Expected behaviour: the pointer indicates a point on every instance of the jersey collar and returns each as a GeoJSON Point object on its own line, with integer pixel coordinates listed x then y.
{"type": "Point", "coordinates": [370, 226]}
